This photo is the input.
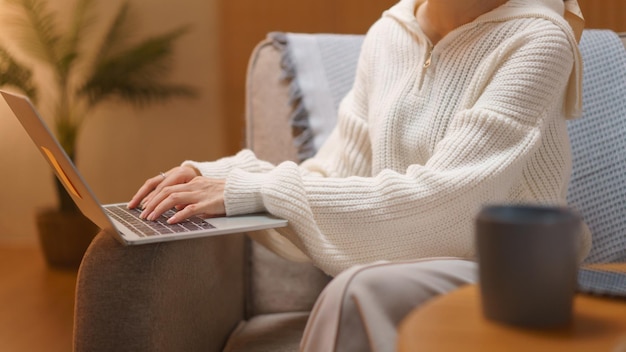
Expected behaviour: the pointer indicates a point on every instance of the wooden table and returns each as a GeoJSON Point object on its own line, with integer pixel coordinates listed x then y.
{"type": "Point", "coordinates": [454, 322]}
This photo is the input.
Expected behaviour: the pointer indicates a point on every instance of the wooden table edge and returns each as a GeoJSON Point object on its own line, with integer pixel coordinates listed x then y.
{"type": "Point", "coordinates": [599, 323]}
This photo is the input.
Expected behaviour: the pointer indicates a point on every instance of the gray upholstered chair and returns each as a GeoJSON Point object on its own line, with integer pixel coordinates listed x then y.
{"type": "Point", "coordinates": [229, 293]}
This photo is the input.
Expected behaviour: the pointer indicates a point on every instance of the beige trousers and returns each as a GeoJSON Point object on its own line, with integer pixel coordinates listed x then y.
{"type": "Point", "coordinates": [361, 308]}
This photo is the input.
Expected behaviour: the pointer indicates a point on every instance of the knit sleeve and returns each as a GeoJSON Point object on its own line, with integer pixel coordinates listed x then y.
{"type": "Point", "coordinates": [425, 212]}
{"type": "Point", "coordinates": [244, 160]}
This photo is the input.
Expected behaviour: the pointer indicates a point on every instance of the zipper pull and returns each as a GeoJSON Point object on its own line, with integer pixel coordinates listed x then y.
{"type": "Point", "coordinates": [429, 59]}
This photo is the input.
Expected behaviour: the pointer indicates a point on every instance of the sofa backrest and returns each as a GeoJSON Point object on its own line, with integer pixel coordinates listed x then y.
{"type": "Point", "coordinates": [274, 284]}
{"type": "Point", "coordinates": [284, 116]}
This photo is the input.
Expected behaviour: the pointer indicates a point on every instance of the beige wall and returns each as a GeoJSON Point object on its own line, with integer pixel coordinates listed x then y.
{"type": "Point", "coordinates": [119, 146]}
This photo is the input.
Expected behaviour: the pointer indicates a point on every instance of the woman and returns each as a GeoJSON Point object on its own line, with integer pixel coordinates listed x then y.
{"type": "Point", "coordinates": [456, 103]}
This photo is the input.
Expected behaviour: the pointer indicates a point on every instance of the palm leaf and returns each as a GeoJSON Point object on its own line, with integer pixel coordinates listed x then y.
{"type": "Point", "coordinates": [12, 73]}
{"type": "Point", "coordinates": [38, 35]}
{"type": "Point", "coordinates": [137, 74]}
{"type": "Point", "coordinates": [70, 43]}
{"type": "Point", "coordinates": [142, 94]}
{"type": "Point", "coordinates": [119, 30]}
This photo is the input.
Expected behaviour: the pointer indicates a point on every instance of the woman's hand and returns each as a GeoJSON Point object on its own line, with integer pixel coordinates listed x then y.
{"type": "Point", "coordinates": [183, 189]}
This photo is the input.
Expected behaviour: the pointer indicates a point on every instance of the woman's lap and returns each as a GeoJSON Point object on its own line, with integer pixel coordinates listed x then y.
{"type": "Point", "coordinates": [360, 309]}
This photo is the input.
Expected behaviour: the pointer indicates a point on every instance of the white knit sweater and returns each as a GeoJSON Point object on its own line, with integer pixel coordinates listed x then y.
{"type": "Point", "coordinates": [418, 150]}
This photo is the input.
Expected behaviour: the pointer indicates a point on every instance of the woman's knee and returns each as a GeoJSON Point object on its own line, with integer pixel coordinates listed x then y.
{"type": "Point", "coordinates": [410, 283]}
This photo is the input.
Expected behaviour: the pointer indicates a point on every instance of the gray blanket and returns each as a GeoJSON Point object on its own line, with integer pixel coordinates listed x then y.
{"type": "Point", "coordinates": [321, 68]}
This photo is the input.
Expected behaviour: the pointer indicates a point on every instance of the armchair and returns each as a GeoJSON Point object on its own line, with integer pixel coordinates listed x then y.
{"type": "Point", "coordinates": [229, 293]}
{"type": "Point", "coordinates": [193, 295]}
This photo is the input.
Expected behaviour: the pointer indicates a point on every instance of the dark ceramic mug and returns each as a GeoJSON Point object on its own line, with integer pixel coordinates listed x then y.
{"type": "Point", "coordinates": [528, 264]}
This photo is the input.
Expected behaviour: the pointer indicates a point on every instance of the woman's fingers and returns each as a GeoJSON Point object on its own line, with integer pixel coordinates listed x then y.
{"type": "Point", "coordinates": [201, 196]}
{"type": "Point", "coordinates": [144, 191]}
{"type": "Point", "coordinates": [153, 185]}
{"type": "Point", "coordinates": [166, 199]}
{"type": "Point", "coordinates": [205, 209]}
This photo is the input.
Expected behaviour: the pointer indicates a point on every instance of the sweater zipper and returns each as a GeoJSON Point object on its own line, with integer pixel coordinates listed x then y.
{"type": "Point", "coordinates": [428, 60]}
{"type": "Point", "coordinates": [429, 57]}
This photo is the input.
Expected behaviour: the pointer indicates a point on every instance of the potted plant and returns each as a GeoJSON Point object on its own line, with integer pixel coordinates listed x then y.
{"type": "Point", "coordinates": [83, 80]}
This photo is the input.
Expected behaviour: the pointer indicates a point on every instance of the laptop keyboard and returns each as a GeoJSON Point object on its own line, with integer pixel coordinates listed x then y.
{"type": "Point", "coordinates": [144, 228]}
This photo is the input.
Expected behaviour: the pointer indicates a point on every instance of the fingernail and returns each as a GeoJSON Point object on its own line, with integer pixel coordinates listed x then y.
{"type": "Point", "coordinates": [151, 217]}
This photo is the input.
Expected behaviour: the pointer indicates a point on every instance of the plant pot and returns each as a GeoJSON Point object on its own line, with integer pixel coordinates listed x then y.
{"type": "Point", "coordinates": [64, 236]}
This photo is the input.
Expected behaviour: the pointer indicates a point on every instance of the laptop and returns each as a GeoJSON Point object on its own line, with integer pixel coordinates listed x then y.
{"type": "Point", "coordinates": [116, 219]}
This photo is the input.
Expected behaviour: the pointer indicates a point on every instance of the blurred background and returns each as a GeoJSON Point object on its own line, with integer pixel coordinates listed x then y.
{"type": "Point", "coordinates": [119, 146]}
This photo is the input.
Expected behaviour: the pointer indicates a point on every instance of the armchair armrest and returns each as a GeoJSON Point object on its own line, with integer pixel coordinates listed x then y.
{"type": "Point", "coordinates": [173, 296]}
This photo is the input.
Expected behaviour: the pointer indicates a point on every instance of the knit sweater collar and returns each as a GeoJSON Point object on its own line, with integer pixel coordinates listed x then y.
{"type": "Point", "coordinates": [552, 10]}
